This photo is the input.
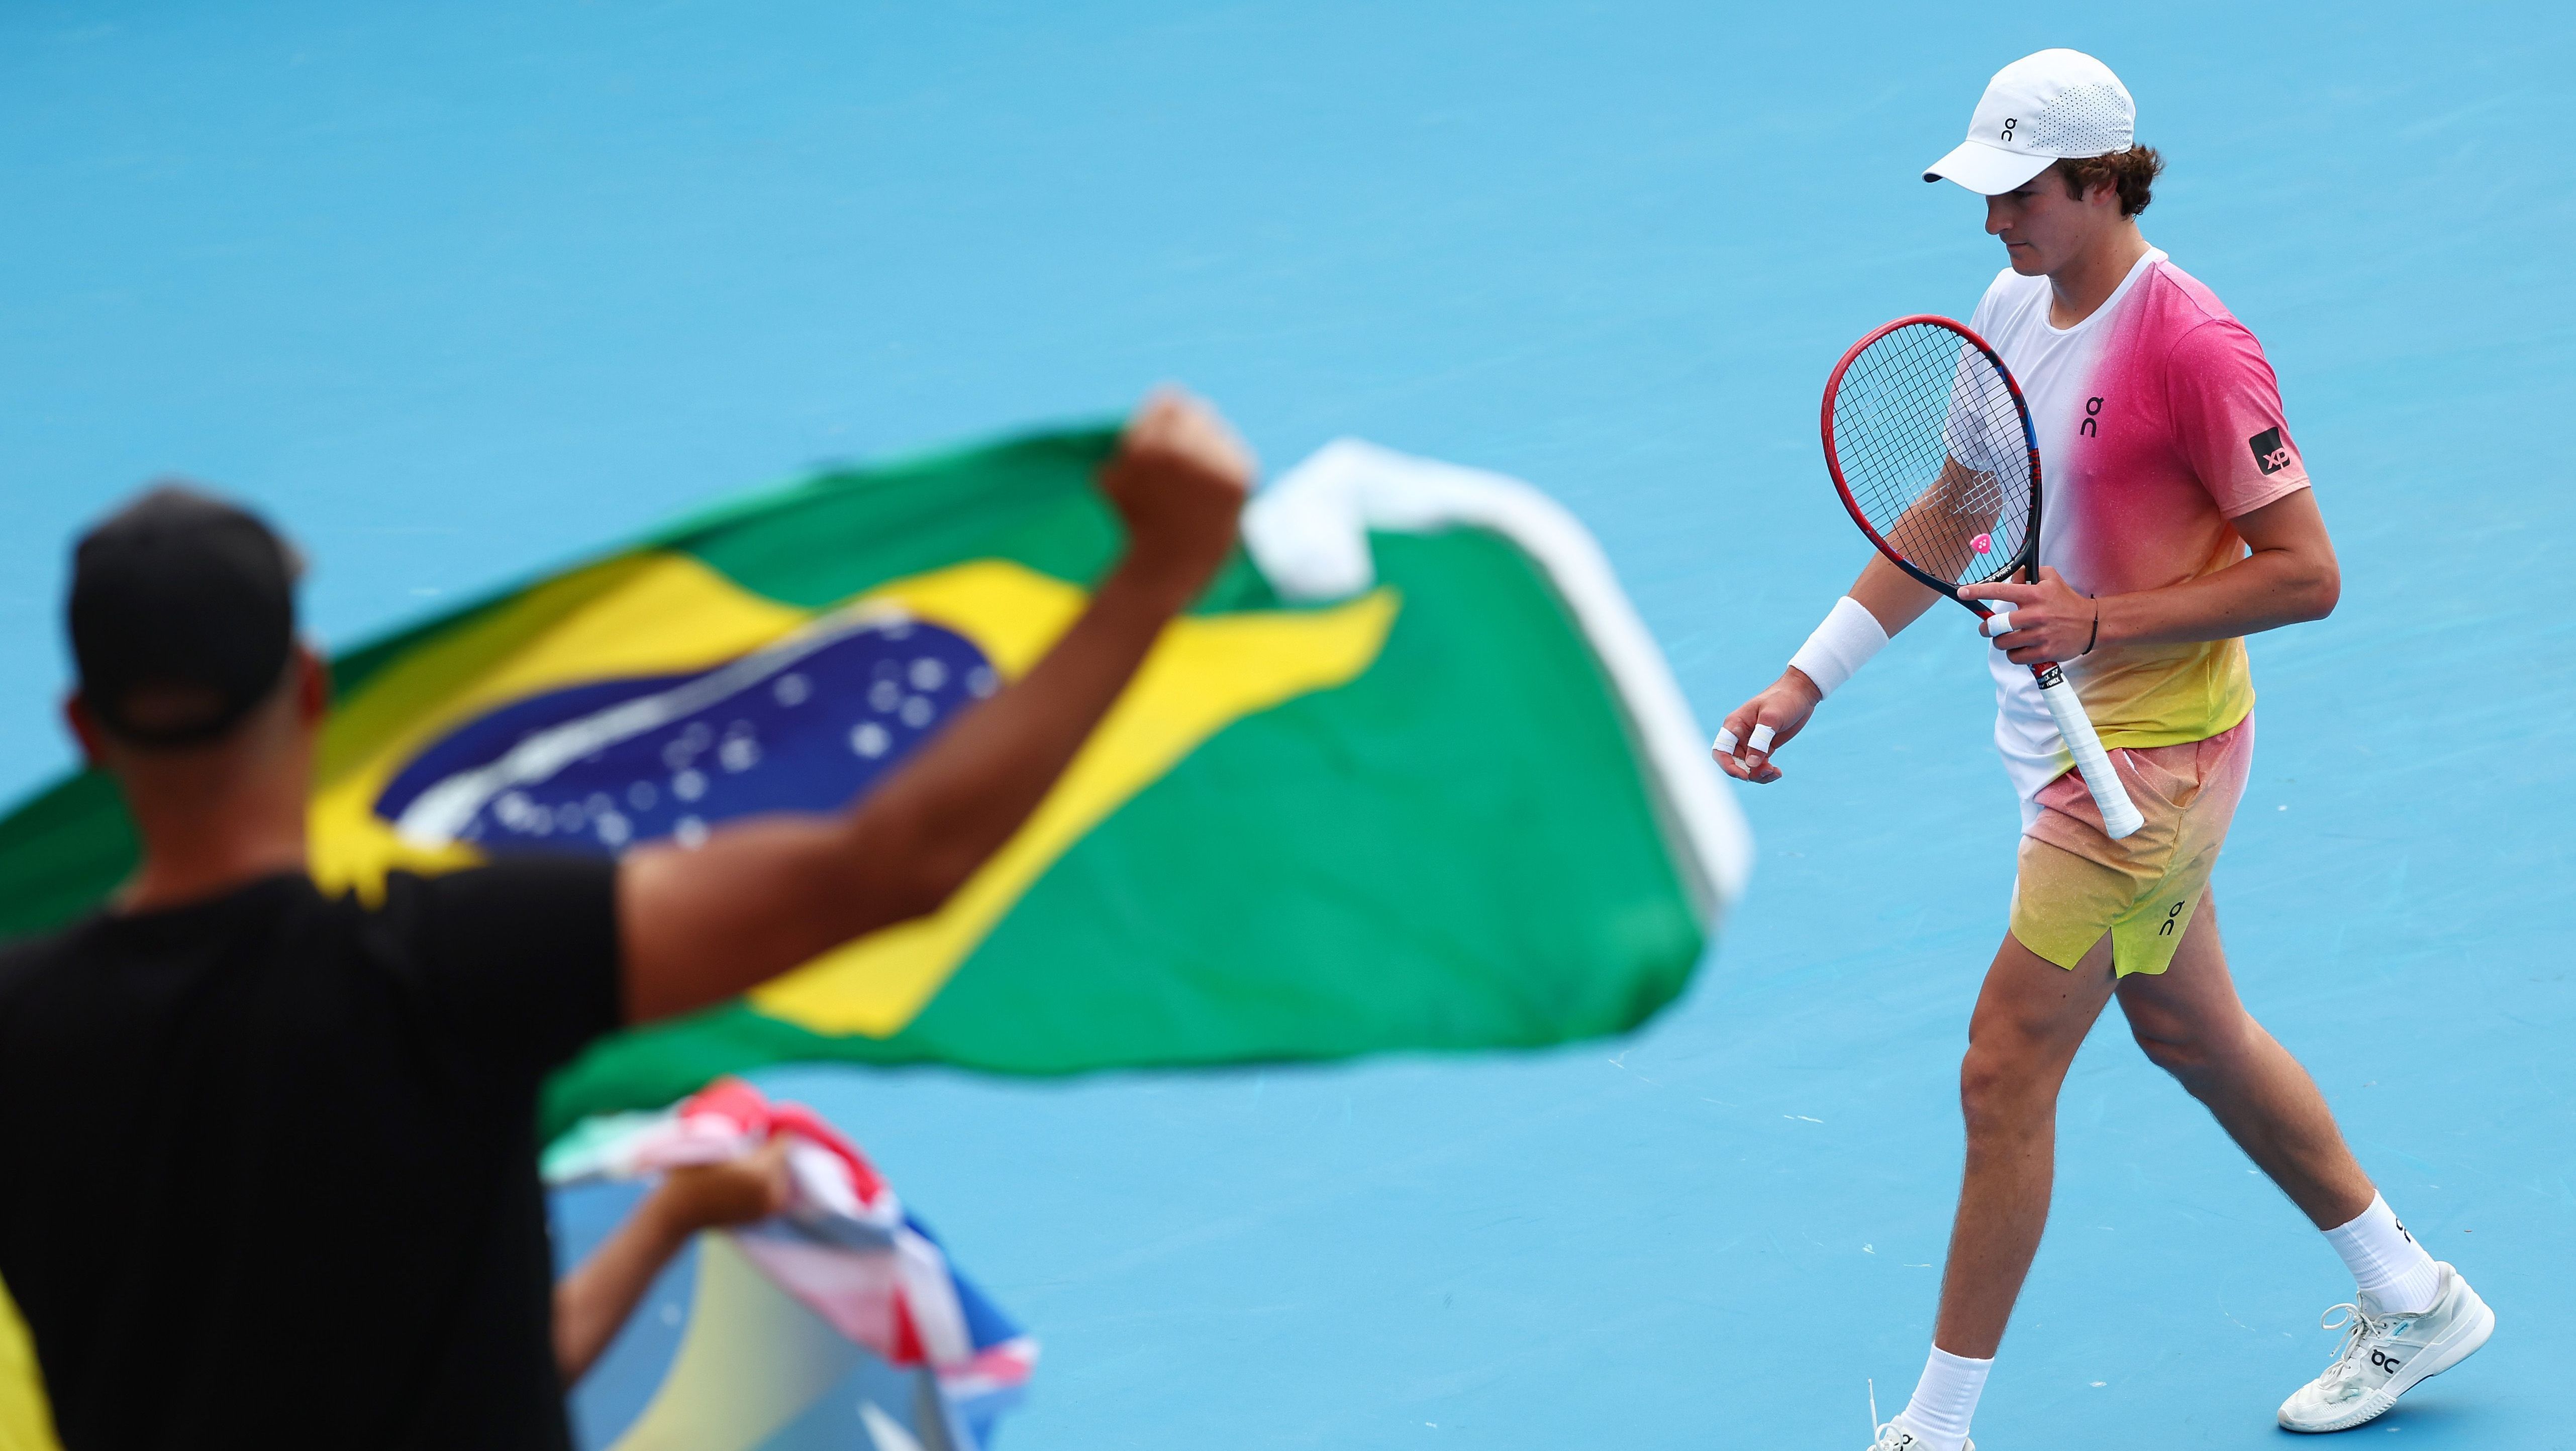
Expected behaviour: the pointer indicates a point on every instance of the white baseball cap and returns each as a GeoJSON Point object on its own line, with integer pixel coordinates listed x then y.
{"type": "Point", "coordinates": [2042, 107]}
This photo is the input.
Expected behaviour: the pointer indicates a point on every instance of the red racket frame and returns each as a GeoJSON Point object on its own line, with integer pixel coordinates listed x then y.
{"type": "Point", "coordinates": [2028, 562]}
{"type": "Point", "coordinates": [2101, 777]}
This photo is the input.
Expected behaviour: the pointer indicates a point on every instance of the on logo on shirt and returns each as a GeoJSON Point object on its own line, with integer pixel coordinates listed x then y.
{"type": "Point", "coordinates": [2271, 455]}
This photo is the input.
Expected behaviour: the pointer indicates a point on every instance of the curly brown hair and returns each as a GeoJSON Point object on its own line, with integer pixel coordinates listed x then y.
{"type": "Point", "coordinates": [2132, 172]}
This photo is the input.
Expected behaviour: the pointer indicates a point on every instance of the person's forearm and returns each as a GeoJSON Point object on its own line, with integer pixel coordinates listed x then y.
{"type": "Point", "coordinates": [1896, 598]}
{"type": "Point", "coordinates": [972, 787]}
{"type": "Point", "coordinates": [904, 847]}
{"type": "Point", "coordinates": [1893, 598]}
{"type": "Point", "coordinates": [761, 896]}
{"type": "Point", "coordinates": [2263, 591]}
{"type": "Point", "coordinates": [595, 1299]}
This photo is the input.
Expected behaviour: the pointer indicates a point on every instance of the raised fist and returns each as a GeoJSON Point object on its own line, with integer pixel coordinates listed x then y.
{"type": "Point", "coordinates": [1178, 480]}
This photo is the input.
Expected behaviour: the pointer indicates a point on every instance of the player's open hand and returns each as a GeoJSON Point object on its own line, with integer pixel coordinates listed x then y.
{"type": "Point", "coordinates": [2047, 621]}
{"type": "Point", "coordinates": [1763, 725]}
{"type": "Point", "coordinates": [1179, 480]}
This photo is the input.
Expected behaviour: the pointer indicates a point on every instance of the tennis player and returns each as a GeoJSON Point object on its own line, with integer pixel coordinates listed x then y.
{"type": "Point", "coordinates": [2177, 518]}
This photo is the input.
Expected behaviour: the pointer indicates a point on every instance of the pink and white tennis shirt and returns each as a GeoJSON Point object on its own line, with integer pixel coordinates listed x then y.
{"type": "Point", "coordinates": [2159, 421]}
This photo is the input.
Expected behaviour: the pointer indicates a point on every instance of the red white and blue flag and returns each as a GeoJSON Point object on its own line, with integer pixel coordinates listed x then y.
{"type": "Point", "coordinates": [842, 1311]}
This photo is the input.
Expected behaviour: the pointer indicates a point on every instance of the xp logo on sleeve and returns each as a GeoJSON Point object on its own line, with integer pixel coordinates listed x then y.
{"type": "Point", "coordinates": [2271, 455]}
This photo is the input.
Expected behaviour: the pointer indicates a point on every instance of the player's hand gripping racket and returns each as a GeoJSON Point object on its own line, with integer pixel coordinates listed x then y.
{"type": "Point", "coordinates": [1932, 450]}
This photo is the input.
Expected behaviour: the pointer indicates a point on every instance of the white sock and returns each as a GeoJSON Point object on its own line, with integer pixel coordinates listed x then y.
{"type": "Point", "coordinates": [1945, 1398]}
{"type": "Point", "coordinates": [2385, 1260]}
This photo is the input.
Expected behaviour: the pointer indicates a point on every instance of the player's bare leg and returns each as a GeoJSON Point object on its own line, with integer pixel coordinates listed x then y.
{"type": "Point", "coordinates": [2407, 1324]}
{"type": "Point", "coordinates": [2031, 1017]}
{"type": "Point", "coordinates": [2190, 1023]}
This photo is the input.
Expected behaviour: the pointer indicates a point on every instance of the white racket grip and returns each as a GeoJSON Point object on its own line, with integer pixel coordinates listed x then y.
{"type": "Point", "coordinates": [2119, 814]}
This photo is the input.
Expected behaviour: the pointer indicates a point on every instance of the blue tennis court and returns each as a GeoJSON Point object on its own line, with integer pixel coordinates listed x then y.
{"type": "Point", "coordinates": [460, 292]}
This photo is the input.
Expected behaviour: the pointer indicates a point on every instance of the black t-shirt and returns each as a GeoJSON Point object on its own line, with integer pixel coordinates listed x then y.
{"type": "Point", "coordinates": [268, 1163]}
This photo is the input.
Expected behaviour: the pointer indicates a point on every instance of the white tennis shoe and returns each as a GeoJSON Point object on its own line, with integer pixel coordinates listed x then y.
{"type": "Point", "coordinates": [1897, 1436]}
{"type": "Point", "coordinates": [2384, 1356]}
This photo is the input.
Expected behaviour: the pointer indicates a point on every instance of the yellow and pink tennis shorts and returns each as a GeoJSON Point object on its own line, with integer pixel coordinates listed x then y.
{"type": "Point", "coordinates": [2077, 883]}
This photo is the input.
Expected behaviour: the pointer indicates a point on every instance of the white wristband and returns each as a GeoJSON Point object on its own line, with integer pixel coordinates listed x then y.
{"type": "Point", "coordinates": [1840, 646]}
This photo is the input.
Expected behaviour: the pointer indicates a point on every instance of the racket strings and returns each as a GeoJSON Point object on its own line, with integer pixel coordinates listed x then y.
{"type": "Point", "coordinates": [1931, 447]}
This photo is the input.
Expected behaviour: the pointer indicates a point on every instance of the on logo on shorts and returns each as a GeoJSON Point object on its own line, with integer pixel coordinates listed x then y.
{"type": "Point", "coordinates": [2271, 455]}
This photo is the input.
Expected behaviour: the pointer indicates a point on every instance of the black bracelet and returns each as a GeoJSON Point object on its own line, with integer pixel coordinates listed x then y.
{"type": "Point", "coordinates": [2091, 640]}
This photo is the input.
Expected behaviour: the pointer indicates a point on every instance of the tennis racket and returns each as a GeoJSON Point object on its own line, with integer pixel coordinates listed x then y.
{"type": "Point", "coordinates": [1931, 448]}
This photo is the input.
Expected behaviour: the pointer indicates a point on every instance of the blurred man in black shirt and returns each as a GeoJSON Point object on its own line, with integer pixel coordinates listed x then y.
{"type": "Point", "coordinates": [289, 1193]}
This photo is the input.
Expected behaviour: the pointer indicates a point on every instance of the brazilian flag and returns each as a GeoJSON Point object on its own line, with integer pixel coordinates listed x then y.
{"type": "Point", "coordinates": [1410, 775]}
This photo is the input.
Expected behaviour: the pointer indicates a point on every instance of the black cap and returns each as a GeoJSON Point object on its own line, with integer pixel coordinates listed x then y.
{"type": "Point", "coordinates": [182, 616]}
